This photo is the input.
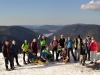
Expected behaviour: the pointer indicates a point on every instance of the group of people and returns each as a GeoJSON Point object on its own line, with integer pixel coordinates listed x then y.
{"type": "Point", "coordinates": [81, 50]}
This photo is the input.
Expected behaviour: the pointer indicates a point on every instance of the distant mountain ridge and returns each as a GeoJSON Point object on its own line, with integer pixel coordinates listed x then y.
{"type": "Point", "coordinates": [17, 33]}
{"type": "Point", "coordinates": [44, 29]}
{"type": "Point", "coordinates": [77, 29]}
{"type": "Point", "coordinates": [50, 27]}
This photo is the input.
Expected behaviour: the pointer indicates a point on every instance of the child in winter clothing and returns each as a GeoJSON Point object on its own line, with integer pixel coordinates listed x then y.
{"type": "Point", "coordinates": [59, 50]}
{"type": "Point", "coordinates": [83, 53]}
{"type": "Point", "coordinates": [64, 56]}
{"type": "Point", "coordinates": [50, 46]}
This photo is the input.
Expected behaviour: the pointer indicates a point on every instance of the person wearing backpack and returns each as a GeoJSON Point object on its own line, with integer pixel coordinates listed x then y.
{"type": "Point", "coordinates": [34, 47]}
{"type": "Point", "coordinates": [61, 41]}
{"type": "Point", "coordinates": [42, 42]}
{"type": "Point", "coordinates": [25, 48]}
{"type": "Point", "coordinates": [55, 47]}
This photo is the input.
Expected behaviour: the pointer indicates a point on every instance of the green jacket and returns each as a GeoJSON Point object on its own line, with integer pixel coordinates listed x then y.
{"type": "Point", "coordinates": [59, 49]}
{"type": "Point", "coordinates": [25, 47]}
{"type": "Point", "coordinates": [43, 42]}
{"type": "Point", "coordinates": [46, 51]}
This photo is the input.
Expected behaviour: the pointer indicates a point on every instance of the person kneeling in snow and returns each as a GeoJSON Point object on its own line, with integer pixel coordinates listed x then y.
{"type": "Point", "coordinates": [64, 55]}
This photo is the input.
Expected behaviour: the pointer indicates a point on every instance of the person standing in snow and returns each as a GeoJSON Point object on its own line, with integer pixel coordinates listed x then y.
{"type": "Point", "coordinates": [15, 51]}
{"type": "Point", "coordinates": [93, 50]}
{"type": "Point", "coordinates": [88, 40]}
{"type": "Point", "coordinates": [83, 53]}
{"type": "Point", "coordinates": [75, 47]}
{"type": "Point", "coordinates": [34, 47]}
{"type": "Point", "coordinates": [61, 41]}
{"type": "Point", "coordinates": [7, 55]}
{"type": "Point", "coordinates": [42, 42]}
{"type": "Point", "coordinates": [25, 48]}
{"type": "Point", "coordinates": [79, 46]}
{"type": "Point", "coordinates": [70, 49]}
{"type": "Point", "coordinates": [55, 47]}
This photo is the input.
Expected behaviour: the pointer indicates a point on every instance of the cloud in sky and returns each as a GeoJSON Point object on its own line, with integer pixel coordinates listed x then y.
{"type": "Point", "coordinates": [92, 5]}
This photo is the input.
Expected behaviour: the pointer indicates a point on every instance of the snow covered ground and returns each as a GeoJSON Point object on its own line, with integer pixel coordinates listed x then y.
{"type": "Point", "coordinates": [56, 68]}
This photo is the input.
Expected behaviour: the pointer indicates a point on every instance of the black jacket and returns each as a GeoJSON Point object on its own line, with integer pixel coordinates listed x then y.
{"type": "Point", "coordinates": [61, 41]}
{"type": "Point", "coordinates": [6, 53]}
{"type": "Point", "coordinates": [84, 49]}
{"type": "Point", "coordinates": [14, 49]}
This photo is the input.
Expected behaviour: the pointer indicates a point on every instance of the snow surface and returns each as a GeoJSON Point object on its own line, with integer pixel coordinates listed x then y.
{"type": "Point", "coordinates": [56, 68]}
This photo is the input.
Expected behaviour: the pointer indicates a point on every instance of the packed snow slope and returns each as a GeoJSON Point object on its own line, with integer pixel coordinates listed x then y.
{"type": "Point", "coordinates": [56, 68]}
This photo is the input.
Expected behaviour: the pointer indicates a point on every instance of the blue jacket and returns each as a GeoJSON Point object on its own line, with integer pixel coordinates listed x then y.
{"type": "Point", "coordinates": [69, 44]}
{"type": "Point", "coordinates": [14, 49]}
{"type": "Point", "coordinates": [88, 44]}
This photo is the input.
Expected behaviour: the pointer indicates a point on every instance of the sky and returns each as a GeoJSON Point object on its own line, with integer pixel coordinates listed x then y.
{"type": "Point", "coordinates": [51, 12]}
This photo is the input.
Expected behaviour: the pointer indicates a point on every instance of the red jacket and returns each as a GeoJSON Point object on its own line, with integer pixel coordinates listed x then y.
{"type": "Point", "coordinates": [34, 46]}
{"type": "Point", "coordinates": [93, 46]}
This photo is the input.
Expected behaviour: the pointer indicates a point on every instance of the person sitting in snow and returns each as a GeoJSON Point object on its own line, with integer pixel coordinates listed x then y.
{"type": "Point", "coordinates": [31, 56]}
{"type": "Point", "coordinates": [46, 55]}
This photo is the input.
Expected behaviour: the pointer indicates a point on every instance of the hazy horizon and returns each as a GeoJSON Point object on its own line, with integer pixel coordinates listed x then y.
{"type": "Point", "coordinates": [51, 24]}
{"type": "Point", "coordinates": [49, 12]}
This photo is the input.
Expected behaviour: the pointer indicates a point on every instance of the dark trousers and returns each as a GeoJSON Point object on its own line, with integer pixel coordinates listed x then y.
{"type": "Point", "coordinates": [24, 57]}
{"type": "Point", "coordinates": [88, 54]}
{"type": "Point", "coordinates": [70, 49]}
{"type": "Point", "coordinates": [16, 58]}
{"type": "Point", "coordinates": [42, 48]}
{"type": "Point", "coordinates": [55, 50]}
{"type": "Point", "coordinates": [8, 59]}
